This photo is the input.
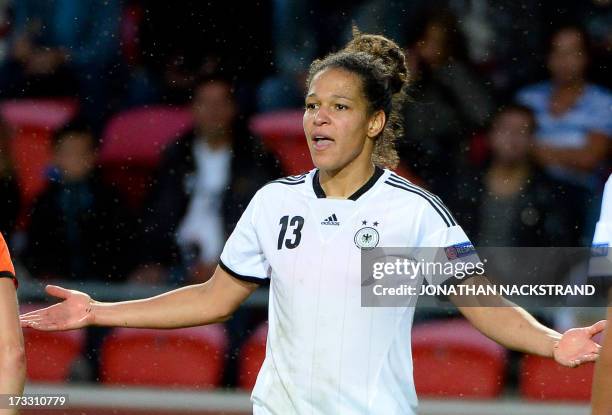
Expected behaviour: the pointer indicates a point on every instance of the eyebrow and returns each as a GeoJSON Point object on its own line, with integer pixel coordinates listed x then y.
{"type": "Point", "coordinates": [312, 94]}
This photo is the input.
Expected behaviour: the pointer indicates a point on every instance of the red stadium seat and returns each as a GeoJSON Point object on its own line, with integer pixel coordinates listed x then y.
{"type": "Point", "coordinates": [133, 141]}
{"type": "Point", "coordinates": [192, 357]}
{"type": "Point", "coordinates": [544, 379]}
{"type": "Point", "coordinates": [453, 359]}
{"type": "Point", "coordinates": [252, 354]}
{"type": "Point", "coordinates": [34, 121]}
{"type": "Point", "coordinates": [283, 135]}
{"type": "Point", "coordinates": [48, 114]}
{"type": "Point", "coordinates": [139, 135]}
{"type": "Point", "coordinates": [50, 355]}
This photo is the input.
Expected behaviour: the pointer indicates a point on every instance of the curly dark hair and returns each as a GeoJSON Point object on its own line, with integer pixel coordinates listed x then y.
{"type": "Point", "coordinates": [381, 65]}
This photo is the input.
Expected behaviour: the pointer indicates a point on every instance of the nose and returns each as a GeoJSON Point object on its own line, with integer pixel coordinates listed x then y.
{"type": "Point", "coordinates": [321, 117]}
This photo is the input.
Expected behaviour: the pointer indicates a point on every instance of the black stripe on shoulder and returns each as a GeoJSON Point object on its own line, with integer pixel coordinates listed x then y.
{"type": "Point", "coordinates": [400, 180]}
{"type": "Point", "coordinates": [243, 277]}
{"type": "Point", "coordinates": [288, 183]}
{"type": "Point", "coordinates": [293, 178]}
{"type": "Point", "coordinates": [431, 202]}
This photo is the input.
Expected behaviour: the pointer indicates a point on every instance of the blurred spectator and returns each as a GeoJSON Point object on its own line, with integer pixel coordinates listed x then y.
{"type": "Point", "coordinates": [204, 182]}
{"type": "Point", "coordinates": [513, 202]}
{"type": "Point", "coordinates": [294, 49]}
{"type": "Point", "coordinates": [180, 43]}
{"type": "Point", "coordinates": [449, 102]}
{"type": "Point", "coordinates": [9, 190]}
{"type": "Point", "coordinates": [63, 47]}
{"type": "Point", "coordinates": [302, 30]}
{"type": "Point", "coordinates": [78, 230]}
{"type": "Point", "coordinates": [574, 118]}
{"type": "Point", "coordinates": [595, 17]}
{"type": "Point", "coordinates": [202, 185]}
{"type": "Point", "coordinates": [504, 39]}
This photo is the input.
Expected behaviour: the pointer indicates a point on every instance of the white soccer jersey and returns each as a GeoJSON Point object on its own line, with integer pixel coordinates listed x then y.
{"type": "Point", "coordinates": [325, 353]}
{"type": "Point", "coordinates": [603, 231]}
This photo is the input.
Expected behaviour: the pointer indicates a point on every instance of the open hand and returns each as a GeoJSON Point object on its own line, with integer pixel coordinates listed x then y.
{"type": "Point", "coordinates": [72, 313]}
{"type": "Point", "coordinates": [576, 346]}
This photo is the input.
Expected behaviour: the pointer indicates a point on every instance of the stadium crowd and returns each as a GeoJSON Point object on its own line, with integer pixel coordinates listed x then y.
{"type": "Point", "coordinates": [509, 121]}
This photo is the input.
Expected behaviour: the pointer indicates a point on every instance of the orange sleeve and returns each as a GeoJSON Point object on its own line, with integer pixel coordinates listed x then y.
{"type": "Point", "coordinates": [6, 265]}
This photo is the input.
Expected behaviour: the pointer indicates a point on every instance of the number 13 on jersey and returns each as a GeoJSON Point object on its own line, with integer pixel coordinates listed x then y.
{"type": "Point", "coordinates": [295, 224]}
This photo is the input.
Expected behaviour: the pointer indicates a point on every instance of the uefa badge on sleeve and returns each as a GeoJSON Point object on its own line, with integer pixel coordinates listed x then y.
{"type": "Point", "coordinates": [459, 250]}
{"type": "Point", "coordinates": [366, 238]}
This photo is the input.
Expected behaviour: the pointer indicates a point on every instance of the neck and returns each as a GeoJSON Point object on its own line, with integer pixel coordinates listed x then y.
{"type": "Point", "coordinates": [344, 182]}
{"type": "Point", "coordinates": [509, 167]}
{"type": "Point", "coordinates": [574, 85]}
{"type": "Point", "coordinates": [506, 179]}
{"type": "Point", "coordinates": [216, 140]}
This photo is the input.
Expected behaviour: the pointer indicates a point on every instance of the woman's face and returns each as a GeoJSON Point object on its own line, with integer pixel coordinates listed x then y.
{"type": "Point", "coordinates": [337, 125]}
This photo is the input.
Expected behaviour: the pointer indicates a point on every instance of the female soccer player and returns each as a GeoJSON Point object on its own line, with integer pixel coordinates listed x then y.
{"type": "Point", "coordinates": [12, 355]}
{"type": "Point", "coordinates": [304, 235]}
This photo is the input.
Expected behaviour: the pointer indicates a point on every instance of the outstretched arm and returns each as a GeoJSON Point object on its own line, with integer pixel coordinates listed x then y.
{"type": "Point", "coordinates": [602, 383]}
{"type": "Point", "coordinates": [514, 328]}
{"type": "Point", "coordinates": [211, 302]}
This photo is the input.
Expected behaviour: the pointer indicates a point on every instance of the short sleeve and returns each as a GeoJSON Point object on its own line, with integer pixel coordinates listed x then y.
{"type": "Point", "coordinates": [601, 252]}
{"type": "Point", "coordinates": [523, 97]}
{"type": "Point", "coordinates": [243, 256]}
{"type": "Point", "coordinates": [444, 243]}
{"type": "Point", "coordinates": [7, 270]}
{"type": "Point", "coordinates": [600, 263]}
{"type": "Point", "coordinates": [600, 112]}
{"type": "Point", "coordinates": [603, 234]}
{"type": "Point", "coordinates": [533, 96]}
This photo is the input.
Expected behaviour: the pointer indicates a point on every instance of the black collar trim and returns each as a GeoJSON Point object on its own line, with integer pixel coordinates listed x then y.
{"type": "Point", "coordinates": [367, 186]}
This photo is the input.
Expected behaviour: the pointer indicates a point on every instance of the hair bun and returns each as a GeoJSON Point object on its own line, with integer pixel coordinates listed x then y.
{"type": "Point", "coordinates": [387, 51]}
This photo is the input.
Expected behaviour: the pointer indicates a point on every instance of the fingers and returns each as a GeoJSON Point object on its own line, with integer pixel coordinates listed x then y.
{"type": "Point", "coordinates": [573, 363]}
{"type": "Point", "coordinates": [34, 319]}
{"type": "Point", "coordinates": [31, 319]}
{"type": "Point", "coordinates": [585, 358]}
{"type": "Point", "coordinates": [39, 312]}
{"type": "Point", "coordinates": [42, 326]}
{"type": "Point", "coordinates": [597, 327]}
{"type": "Point", "coordinates": [591, 357]}
{"type": "Point", "coordinates": [56, 291]}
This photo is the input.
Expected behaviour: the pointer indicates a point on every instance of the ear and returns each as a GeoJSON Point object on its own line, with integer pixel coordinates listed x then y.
{"type": "Point", "coordinates": [376, 123]}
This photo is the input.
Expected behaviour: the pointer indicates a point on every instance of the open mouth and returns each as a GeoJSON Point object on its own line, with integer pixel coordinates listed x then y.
{"type": "Point", "coordinates": [321, 142]}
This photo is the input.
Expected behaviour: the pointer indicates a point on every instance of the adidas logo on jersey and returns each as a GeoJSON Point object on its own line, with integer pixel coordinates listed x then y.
{"type": "Point", "coordinates": [332, 220]}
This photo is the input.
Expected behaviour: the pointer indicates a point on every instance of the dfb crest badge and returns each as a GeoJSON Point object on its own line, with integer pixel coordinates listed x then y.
{"type": "Point", "coordinates": [366, 238]}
